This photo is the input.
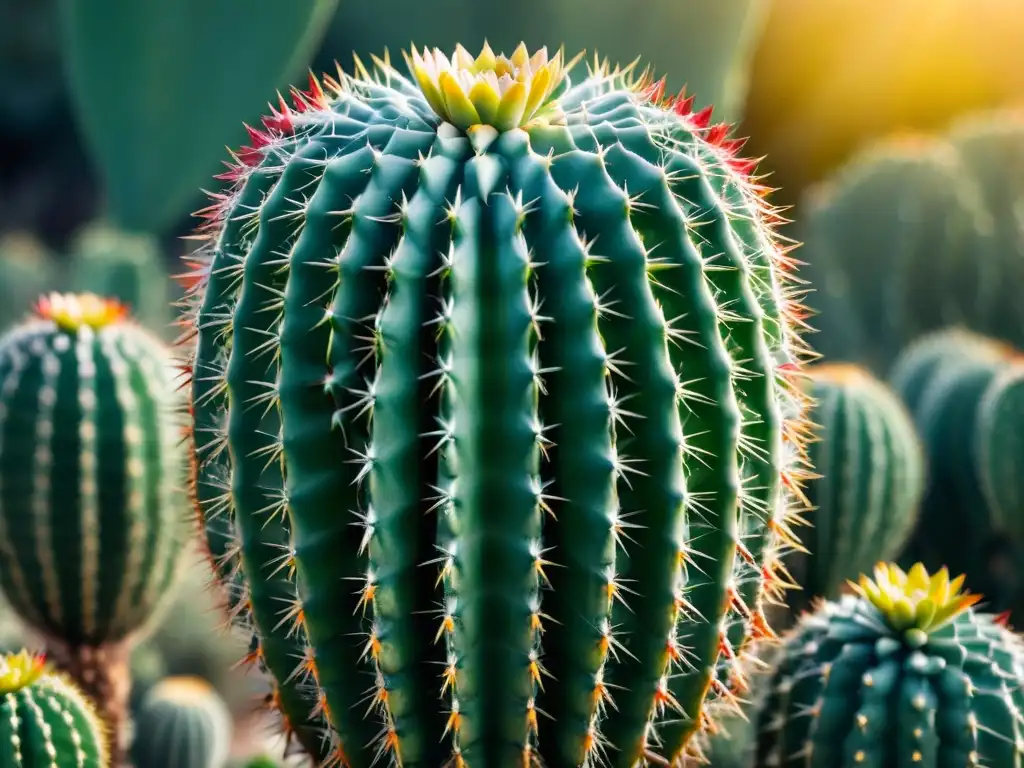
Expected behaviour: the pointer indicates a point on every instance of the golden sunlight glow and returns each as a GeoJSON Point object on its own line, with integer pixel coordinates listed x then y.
{"type": "Point", "coordinates": [915, 600]}
{"type": "Point", "coordinates": [503, 92]}
{"type": "Point", "coordinates": [71, 311]}
{"type": "Point", "coordinates": [183, 689]}
{"type": "Point", "coordinates": [18, 670]}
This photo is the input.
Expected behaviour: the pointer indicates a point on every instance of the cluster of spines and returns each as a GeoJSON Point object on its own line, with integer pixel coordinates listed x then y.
{"type": "Point", "coordinates": [766, 513]}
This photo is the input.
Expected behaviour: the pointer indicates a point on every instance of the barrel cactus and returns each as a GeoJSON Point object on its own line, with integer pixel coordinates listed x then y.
{"type": "Point", "coordinates": [903, 672]}
{"type": "Point", "coordinates": [870, 472]}
{"type": "Point", "coordinates": [182, 723]}
{"type": "Point", "coordinates": [91, 524]}
{"type": "Point", "coordinates": [999, 451]}
{"type": "Point", "coordinates": [45, 720]}
{"type": "Point", "coordinates": [493, 378]}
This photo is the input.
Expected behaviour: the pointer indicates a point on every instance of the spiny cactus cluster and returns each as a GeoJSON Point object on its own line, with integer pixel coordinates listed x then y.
{"type": "Point", "coordinates": [91, 473]}
{"type": "Point", "coordinates": [493, 380]}
{"type": "Point", "coordinates": [45, 720]}
{"type": "Point", "coordinates": [182, 723]}
{"type": "Point", "coordinates": [901, 673]}
{"type": "Point", "coordinates": [869, 479]}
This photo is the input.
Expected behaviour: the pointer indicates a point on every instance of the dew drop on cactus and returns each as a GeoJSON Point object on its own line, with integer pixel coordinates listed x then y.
{"type": "Point", "coordinates": [496, 439]}
{"type": "Point", "coordinates": [902, 672]}
{"type": "Point", "coordinates": [91, 478]}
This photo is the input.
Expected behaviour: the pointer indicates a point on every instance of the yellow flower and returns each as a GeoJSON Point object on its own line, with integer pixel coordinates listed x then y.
{"type": "Point", "coordinates": [914, 600]}
{"type": "Point", "coordinates": [503, 92]}
{"type": "Point", "coordinates": [18, 670]}
{"type": "Point", "coordinates": [71, 311]}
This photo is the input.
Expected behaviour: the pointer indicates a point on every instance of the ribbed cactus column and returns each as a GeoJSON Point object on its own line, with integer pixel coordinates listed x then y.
{"type": "Point", "coordinates": [870, 470]}
{"type": "Point", "coordinates": [91, 528]}
{"type": "Point", "coordinates": [45, 720]}
{"type": "Point", "coordinates": [903, 673]}
{"type": "Point", "coordinates": [492, 381]}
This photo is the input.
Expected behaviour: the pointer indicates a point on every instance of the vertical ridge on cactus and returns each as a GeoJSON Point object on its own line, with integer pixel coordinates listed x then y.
{"type": "Point", "coordinates": [91, 522]}
{"type": "Point", "coordinates": [495, 436]}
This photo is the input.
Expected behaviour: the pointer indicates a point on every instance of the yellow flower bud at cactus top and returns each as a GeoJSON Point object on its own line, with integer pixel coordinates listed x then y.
{"type": "Point", "coordinates": [19, 670]}
{"type": "Point", "coordinates": [72, 311]}
{"type": "Point", "coordinates": [504, 92]}
{"type": "Point", "coordinates": [914, 600]}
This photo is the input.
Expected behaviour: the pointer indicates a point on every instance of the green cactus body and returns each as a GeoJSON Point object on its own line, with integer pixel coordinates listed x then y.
{"type": "Point", "coordinates": [889, 243]}
{"type": "Point", "coordinates": [512, 407]}
{"type": "Point", "coordinates": [1000, 451]}
{"type": "Point", "coordinates": [898, 675]}
{"type": "Point", "coordinates": [870, 471]}
{"type": "Point", "coordinates": [45, 722]}
{"type": "Point", "coordinates": [182, 723]}
{"type": "Point", "coordinates": [124, 266]}
{"type": "Point", "coordinates": [91, 521]}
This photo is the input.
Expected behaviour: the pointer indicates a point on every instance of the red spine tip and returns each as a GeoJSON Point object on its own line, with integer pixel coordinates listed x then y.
{"type": "Point", "coordinates": [702, 119]}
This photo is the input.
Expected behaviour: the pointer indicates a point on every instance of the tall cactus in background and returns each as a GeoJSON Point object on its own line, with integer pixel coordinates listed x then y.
{"type": "Point", "coordinates": [462, 337]}
{"type": "Point", "coordinates": [869, 467]}
{"type": "Point", "coordinates": [91, 526]}
{"type": "Point", "coordinates": [1000, 450]}
{"type": "Point", "coordinates": [124, 266]}
{"type": "Point", "coordinates": [889, 245]}
{"type": "Point", "coordinates": [182, 723]}
{"type": "Point", "coordinates": [45, 720]}
{"type": "Point", "coordinates": [902, 673]}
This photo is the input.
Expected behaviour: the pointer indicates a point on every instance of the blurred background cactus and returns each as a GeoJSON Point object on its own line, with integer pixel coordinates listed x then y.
{"type": "Point", "coordinates": [908, 203]}
{"type": "Point", "coordinates": [182, 723]}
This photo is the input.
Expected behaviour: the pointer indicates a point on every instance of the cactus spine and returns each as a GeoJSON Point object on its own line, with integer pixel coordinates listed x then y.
{"type": "Point", "coordinates": [901, 673]}
{"type": "Point", "coordinates": [45, 720]}
{"type": "Point", "coordinates": [869, 468]}
{"type": "Point", "coordinates": [91, 527]}
{"type": "Point", "coordinates": [182, 723]}
{"type": "Point", "coordinates": [538, 337]}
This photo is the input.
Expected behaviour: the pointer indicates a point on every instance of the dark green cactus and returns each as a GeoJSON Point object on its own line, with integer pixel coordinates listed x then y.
{"type": "Point", "coordinates": [870, 469]}
{"type": "Point", "coordinates": [904, 673]}
{"type": "Point", "coordinates": [497, 386]}
{"type": "Point", "coordinates": [27, 270]}
{"type": "Point", "coordinates": [182, 723]}
{"type": "Point", "coordinates": [1000, 451]}
{"type": "Point", "coordinates": [125, 266]}
{"type": "Point", "coordinates": [91, 520]}
{"type": "Point", "coordinates": [942, 378]}
{"type": "Point", "coordinates": [889, 243]}
{"type": "Point", "coordinates": [45, 720]}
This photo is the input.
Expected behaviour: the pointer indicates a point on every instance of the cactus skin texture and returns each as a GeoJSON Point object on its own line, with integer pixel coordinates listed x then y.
{"type": "Point", "coordinates": [903, 672]}
{"type": "Point", "coordinates": [513, 407]}
{"type": "Point", "coordinates": [182, 723]}
{"type": "Point", "coordinates": [870, 472]}
{"type": "Point", "coordinates": [45, 721]}
{"type": "Point", "coordinates": [91, 472]}
{"type": "Point", "coordinates": [124, 266]}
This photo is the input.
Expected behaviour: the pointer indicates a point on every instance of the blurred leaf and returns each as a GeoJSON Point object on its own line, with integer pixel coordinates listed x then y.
{"type": "Point", "coordinates": [161, 87]}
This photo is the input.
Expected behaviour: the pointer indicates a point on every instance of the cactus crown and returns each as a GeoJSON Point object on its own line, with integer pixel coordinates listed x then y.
{"type": "Point", "coordinates": [916, 601]}
{"type": "Point", "coordinates": [503, 92]}
{"type": "Point", "coordinates": [71, 311]}
{"type": "Point", "coordinates": [183, 689]}
{"type": "Point", "coordinates": [20, 670]}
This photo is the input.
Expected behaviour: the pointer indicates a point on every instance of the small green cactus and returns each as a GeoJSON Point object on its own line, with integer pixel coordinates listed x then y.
{"type": "Point", "coordinates": [182, 723]}
{"type": "Point", "coordinates": [494, 378]}
{"type": "Point", "coordinates": [125, 266]}
{"type": "Point", "coordinates": [902, 673]}
{"type": "Point", "coordinates": [870, 472]}
{"type": "Point", "coordinates": [45, 720]}
{"type": "Point", "coordinates": [91, 518]}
